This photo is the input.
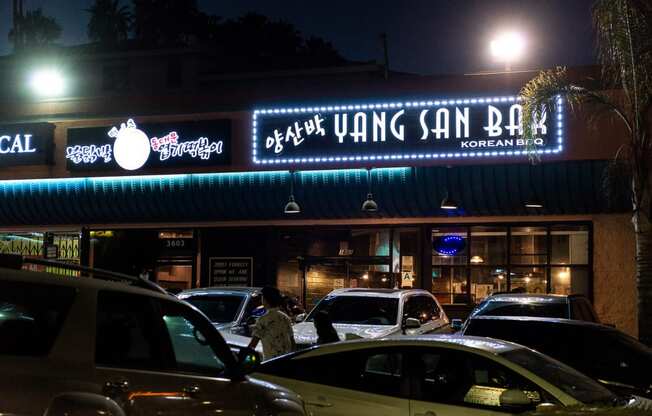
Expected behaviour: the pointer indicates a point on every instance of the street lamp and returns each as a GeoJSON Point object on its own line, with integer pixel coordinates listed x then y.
{"type": "Point", "coordinates": [507, 47]}
{"type": "Point", "coordinates": [47, 82]}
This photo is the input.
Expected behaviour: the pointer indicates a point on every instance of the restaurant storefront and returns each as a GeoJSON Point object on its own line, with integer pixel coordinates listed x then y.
{"type": "Point", "coordinates": [436, 194]}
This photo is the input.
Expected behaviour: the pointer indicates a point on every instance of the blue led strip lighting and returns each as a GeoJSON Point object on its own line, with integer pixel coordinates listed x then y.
{"type": "Point", "coordinates": [556, 124]}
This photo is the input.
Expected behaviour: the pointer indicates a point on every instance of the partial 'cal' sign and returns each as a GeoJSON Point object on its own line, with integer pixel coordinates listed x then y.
{"type": "Point", "coordinates": [399, 130]}
{"type": "Point", "coordinates": [26, 144]}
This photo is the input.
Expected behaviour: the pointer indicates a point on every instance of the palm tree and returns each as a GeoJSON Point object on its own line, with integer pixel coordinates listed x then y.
{"type": "Point", "coordinates": [624, 37]}
{"type": "Point", "coordinates": [34, 30]}
{"type": "Point", "coordinates": [109, 23]}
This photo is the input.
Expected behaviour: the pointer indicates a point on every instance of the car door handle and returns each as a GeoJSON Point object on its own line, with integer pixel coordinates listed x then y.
{"type": "Point", "coordinates": [191, 390]}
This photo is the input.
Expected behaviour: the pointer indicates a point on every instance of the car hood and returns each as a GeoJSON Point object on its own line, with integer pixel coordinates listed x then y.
{"type": "Point", "coordinates": [305, 332]}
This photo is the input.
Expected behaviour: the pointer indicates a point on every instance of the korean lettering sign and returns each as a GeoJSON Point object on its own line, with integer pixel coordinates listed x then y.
{"type": "Point", "coordinates": [131, 146]}
{"type": "Point", "coordinates": [26, 144]}
{"type": "Point", "coordinates": [433, 129]}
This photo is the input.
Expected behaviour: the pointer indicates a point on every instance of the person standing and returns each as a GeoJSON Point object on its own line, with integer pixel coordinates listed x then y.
{"type": "Point", "coordinates": [325, 331]}
{"type": "Point", "coordinates": [274, 328]}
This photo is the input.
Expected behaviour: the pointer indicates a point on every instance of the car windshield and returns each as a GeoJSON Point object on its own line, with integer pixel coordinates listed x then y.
{"type": "Point", "coordinates": [361, 310]}
{"type": "Point", "coordinates": [540, 309]}
{"type": "Point", "coordinates": [572, 382]}
{"type": "Point", "coordinates": [220, 308]}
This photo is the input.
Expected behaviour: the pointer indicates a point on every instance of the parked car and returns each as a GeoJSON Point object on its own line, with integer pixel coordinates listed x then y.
{"type": "Point", "coordinates": [375, 313]}
{"type": "Point", "coordinates": [233, 309]}
{"type": "Point", "coordinates": [524, 304]}
{"type": "Point", "coordinates": [616, 360]}
{"type": "Point", "coordinates": [443, 375]}
{"type": "Point", "coordinates": [76, 345]}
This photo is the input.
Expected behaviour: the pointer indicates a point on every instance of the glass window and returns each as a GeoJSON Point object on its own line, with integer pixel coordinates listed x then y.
{"type": "Point", "coordinates": [361, 310]}
{"type": "Point", "coordinates": [31, 316]}
{"type": "Point", "coordinates": [485, 281]}
{"type": "Point", "coordinates": [569, 280]}
{"type": "Point", "coordinates": [370, 242]}
{"type": "Point", "coordinates": [191, 347]}
{"type": "Point", "coordinates": [468, 380]}
{"type": "Point", "coordinates": [129, 332]}
{"type": "Point", "coordinates": [382, 373]}
{"type": "Point", "coordinates": [423, 308]}
{"type": "Point", "coordinates": [488, 245]}
{"type": "Point", "coordinates": [569, 245]}
{"type": "Point", "coordinates": [528, 245]}
{"type": "Point", "coordinates": [529, 280]}
{"type": "Point", "coordinates": [449, 284]}
{"type": "Point", "coordinates": [218, 308]}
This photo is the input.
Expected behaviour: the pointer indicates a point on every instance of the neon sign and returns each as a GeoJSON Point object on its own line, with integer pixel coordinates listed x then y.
{"type": "Point", "coordinates": [136, 147]}
{"type": "Point", "coordinates": [449, 245]}
{"type": "Point", "coordinates": [400, 130]}
{"type": "Point", "coordinates": [26, 144]}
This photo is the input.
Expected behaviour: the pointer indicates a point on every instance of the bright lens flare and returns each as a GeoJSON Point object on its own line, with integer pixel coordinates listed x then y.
{"type": "Point", "coordinates": [47, 83]}
{"type": "Point", "coordinates": [507, 47]}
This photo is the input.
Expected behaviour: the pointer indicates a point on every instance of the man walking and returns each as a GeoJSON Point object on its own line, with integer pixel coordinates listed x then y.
{"type": "Point", "coordinates": [274, 329]}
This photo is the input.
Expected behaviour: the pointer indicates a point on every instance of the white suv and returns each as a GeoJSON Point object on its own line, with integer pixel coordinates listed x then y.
{"type": "Point", "coordinates": [78, 344]}
{"type": "Point", "coordinates": [376, 313]}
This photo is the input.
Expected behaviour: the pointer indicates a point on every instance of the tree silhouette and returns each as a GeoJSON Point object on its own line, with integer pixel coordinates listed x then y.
{"type": "Point", "coordinates": [166, 23]}
{"type": "Point", "coordinates": [109, 23]}
{"type": "Point", "coordinates": [34, 30]}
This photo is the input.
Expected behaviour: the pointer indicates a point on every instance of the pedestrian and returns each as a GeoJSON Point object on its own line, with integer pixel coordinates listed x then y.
{"type": "Point", "coordinates": [325, 331]}
{"type": "Point", "coordinates": [274, 328]}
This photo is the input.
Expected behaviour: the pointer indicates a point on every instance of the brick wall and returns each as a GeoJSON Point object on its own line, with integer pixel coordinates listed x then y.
{"type": "Point", "coordinates": [614, 282]}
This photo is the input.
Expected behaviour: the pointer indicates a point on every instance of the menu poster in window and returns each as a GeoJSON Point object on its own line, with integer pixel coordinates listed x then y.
{"type": "Point", "coordinates": [231, 271]}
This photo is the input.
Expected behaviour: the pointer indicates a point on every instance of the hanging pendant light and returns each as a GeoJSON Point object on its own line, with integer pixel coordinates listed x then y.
{"type": "Point", "coordinates": [448, 203]}
{"type": "Point", "coordinates": [292, 207]}
{"type": "Point", "coordinates": [369, 205]}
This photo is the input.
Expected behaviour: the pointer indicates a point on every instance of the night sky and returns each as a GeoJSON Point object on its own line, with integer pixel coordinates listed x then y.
{"type": "Point", "coordinates": [425, 36]}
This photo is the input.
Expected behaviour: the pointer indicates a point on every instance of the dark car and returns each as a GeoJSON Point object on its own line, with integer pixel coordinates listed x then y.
{"type": "Point", "coordinates": [611, 357]}
{"type": "Point", "coordinates": [525, 304]}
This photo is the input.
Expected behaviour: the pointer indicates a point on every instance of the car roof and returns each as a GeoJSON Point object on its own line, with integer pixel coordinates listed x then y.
{"type": "Point", "coordinates": [378, 293]}
{"type": "Point", "coordinates": [550, 321]}
{"type": "Point", "coordinates": [489, 345]}
{"type": "Point", "coordinates": [78, 282]}
{"type": "Point", "coordinates": [219, 291]}
{"type": "Point", "coordinates": [526, 297]}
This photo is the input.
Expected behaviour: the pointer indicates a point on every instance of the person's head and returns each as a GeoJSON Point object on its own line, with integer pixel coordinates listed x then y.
{"type": "Point", "coordinates": [322, 321]}
{"type": "Point", "coordinates": [272, 297]}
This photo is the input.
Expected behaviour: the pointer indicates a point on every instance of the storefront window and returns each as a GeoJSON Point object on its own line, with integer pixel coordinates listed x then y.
{"type": "Point", "coordinates": [488, 245]}
{"type": "Point", "coordinates": [569, 280]}
{"type": "Point", "coordinates": [529, 280]}
{"type": "Point", "coordinates": [569, 245]}
{"type": "Point", "coordinates": [485, 281]}
{"type": "Point", "coordinates": [449, 284]}
{"type": "Point", "coordinates": [528, 245]}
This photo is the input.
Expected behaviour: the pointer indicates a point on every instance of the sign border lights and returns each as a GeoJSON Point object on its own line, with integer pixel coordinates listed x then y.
{"type": "Point", "coordinates": [449, 245]}
{"type": "Point", "coordinates": [556, 125]}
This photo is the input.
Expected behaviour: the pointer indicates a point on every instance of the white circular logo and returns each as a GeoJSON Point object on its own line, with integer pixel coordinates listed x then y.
{"type": "Point", "coordinates": [131, 147]}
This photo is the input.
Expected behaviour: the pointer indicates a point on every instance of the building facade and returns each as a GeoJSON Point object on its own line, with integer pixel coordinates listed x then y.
{"type": "Point", "coordinates": [185, 177]}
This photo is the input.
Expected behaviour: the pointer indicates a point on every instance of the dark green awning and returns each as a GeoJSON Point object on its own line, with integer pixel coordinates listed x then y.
{"type": "Point", "coordinates": [564, 188]}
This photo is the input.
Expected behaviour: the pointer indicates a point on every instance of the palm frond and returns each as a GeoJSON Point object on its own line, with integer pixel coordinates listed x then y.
{"type": "Point", "coordinates": [542, 96]}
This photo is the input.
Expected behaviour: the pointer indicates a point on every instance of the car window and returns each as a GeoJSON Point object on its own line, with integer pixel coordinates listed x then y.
{"type": "Point", "coordinates": [218, 308]}
{"type": "Point", "coordinates": [191, 344]}
{"type": "Point", "coordinates": [417, 308]}
{"type": "Point", "coordinates": [581, 309]}
{"type": "Point", "coordinates": [465, 379]}
{"type": "Point", "coordinates": [377, 371]}
{"type": "Point", "coordinates": [361, 310]}
{"type": "Point", "coordinates": [31, 316]}
{"type": "Point", "coordinates": [129, 332]}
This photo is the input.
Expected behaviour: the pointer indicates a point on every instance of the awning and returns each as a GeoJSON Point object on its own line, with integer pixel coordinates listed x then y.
{"type": "Point", "coordinates": [564, 188]}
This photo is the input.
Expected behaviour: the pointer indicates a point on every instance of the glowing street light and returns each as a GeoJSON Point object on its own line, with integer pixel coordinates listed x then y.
{"type": "Point", "coordinates": [47, 83]}
{"type": "Point", "coordinates": [508, 47]}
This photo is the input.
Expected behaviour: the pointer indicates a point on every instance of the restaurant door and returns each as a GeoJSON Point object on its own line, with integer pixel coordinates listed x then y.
{"type": "Point", "coordinates": [321, 275]}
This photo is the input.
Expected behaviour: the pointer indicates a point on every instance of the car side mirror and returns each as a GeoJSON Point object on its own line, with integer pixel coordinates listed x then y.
{"type": "Point", "coordinates": [515, 400]}
{"type": "Point", "coordinates": [411, 323]}
{"type": "Point", "coordinates": [456, 324]}
{"type": "Point", "coordinates": [248, 361]}
{"type": "Point", "coordinates": [300, 318]}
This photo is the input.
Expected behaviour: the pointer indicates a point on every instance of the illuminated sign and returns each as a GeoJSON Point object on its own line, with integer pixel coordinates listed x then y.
{"type": "Point", "coordinates": [26, 144]}
{"type": "Point", "coordinates": [400, 130]}
{"type": "Point", "coordinates": [449, 245]}
{"type": "Point", "coordinates": [132, 146]}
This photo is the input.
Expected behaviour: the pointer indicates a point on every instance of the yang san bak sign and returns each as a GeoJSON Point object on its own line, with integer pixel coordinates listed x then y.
{"type": "Point", "coordinates": [466, 127]}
